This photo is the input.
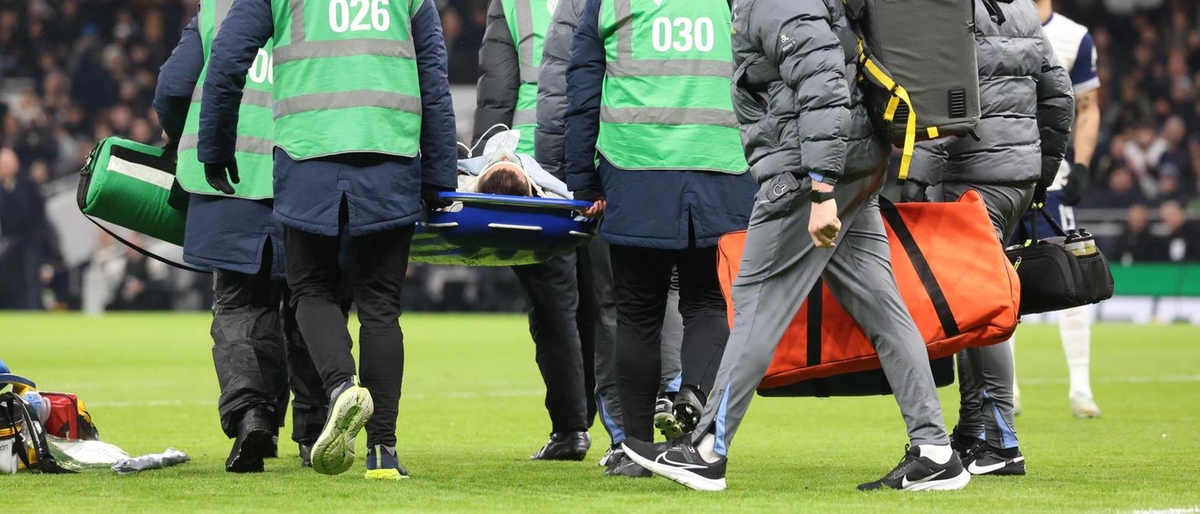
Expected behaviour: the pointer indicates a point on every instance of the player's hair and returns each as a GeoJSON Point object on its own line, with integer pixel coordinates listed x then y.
{"type": "Point", "coordinates": [504, 180]}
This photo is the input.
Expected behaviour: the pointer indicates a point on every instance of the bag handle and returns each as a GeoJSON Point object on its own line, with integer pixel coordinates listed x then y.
{"type": "Point", "coordinates": [994, 11]}
{"type": "Point", "coordinates": [924, 272]}
{"type": "Point", "coordinates": [1030, 234]}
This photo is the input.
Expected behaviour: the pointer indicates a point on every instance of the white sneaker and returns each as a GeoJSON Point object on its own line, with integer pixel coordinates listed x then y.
{"type": "Point", "coordinates": [1083, 406]}
{"type": "Point", "coordinates": [333, 452]}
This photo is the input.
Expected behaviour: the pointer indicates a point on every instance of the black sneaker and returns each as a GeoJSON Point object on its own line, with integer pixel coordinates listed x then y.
{"type": "Point", "coordinates": [965, 445]}
{"type": "Point", "coordinates": [990, 461]}
{"type": "Point", "coordinates": [565, 446]}
{"type": "Point", "coordinates": [917, 473]}
{"type": "Point", "coordinates": [620, 465]}
{"type": "Point", "coordinates": [689, 407]}
{"type": "Point", "coordinates": [678, 460]}
{"type": "Point", "coordinates": [253, 443]}
{"type": "Point", "coordinates": [664, 417]}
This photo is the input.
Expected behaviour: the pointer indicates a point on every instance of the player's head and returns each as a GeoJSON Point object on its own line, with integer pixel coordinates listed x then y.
{"type": "Point", "coordinates": [504, 178]}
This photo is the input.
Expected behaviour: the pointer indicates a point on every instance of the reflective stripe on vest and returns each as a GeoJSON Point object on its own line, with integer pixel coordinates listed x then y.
{"type": "Point", "coordinates": [255, 142]}
{"type": "Point", "coordinates": [528, 21]}
{"type": "Point", "coordinates": [346, 77]}
{"type": "Point", "coordinates": [666, 92]}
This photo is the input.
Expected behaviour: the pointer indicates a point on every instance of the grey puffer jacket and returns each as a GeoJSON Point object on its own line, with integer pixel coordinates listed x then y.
{"type": "Point", "coordinates": [795, 91]}
{"type": "Point", "coordinates": [552, 87]}
{"type": "Point", "coordinates": [1027, 108]}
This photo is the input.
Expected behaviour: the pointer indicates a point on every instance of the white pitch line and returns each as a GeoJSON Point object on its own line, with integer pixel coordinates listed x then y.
{"type": "Point", "coordinates": [1184, 510]}
{"type": "Point", "coordinates": [1113, 380]}
{"type": "Point", "coordinates": [467, 395]}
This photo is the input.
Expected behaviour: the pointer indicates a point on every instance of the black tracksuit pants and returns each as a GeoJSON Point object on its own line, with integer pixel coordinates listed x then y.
{"type": "Point", "coordinates": [562, 322]}
{"type": "Point", "coordinates": [643, 277]}
{"type": "Point", "coordinates": [379, 262]}
{"type": "Point", "coordinates": [259, 354]}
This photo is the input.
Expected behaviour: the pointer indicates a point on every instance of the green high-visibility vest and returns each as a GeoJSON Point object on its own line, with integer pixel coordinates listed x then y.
{"type": "Point", "coordinates": [528, 21]}
{"type": "Point", "coordinates": [255, 128]}
{"type": "Point", "coordinates": [666, 102]}
{"type": "Point", "coordinates": [346, 77]}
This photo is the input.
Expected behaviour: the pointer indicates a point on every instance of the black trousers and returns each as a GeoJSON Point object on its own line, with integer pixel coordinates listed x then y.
{"type": "Point", "coordinates": [642, 277]}
{"type": "Point", "coordinates": [378, 262]}
{"type": "Point", "coordinates": [558, 326]}
{"type": "Point", "coordinates": [259, 355]}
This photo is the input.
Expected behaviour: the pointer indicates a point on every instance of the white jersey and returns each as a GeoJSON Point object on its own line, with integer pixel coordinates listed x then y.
{"type": "Point", "coordinates": [1076, 52]}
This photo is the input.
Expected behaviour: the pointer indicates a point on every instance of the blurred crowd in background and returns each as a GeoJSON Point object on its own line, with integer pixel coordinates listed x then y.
{"type": "Point", "coordinates": [73, 72]}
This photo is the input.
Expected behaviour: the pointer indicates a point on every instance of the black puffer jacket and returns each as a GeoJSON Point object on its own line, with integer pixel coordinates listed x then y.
{"type": "Point", "coordinates": [795, 91]}
{"type": "Point", "coordinates": [1027, 108]}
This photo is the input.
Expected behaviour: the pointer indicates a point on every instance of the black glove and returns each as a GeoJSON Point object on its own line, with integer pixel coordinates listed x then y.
{"type": "Point", "coordinates": [431, 198]}
{"type": "Point", "coordinates": [215, 174]}
{"type": "Point", "coordinates": [914, 192]}
{"type": "Point", "coordinates": [1039, 194]}
{"type": "Point", "coordinates": [1077, 183]}
{"type": "Point", "coordinates": [591, 194]}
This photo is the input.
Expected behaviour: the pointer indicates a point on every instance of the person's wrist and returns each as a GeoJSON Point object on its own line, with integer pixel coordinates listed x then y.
{"type": "Point", "coordinates": [822, 187]}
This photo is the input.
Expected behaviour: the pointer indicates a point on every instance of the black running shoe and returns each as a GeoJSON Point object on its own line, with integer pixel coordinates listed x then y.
{"type": "Point", "coordinates": [664, 417]}
{"type": "Point", "coordinates": [253, 443]}
{"type": "Point", "coordinates": [565, 446]}
{"type": "Point", "coordinates": [965, 445]}
{"type": "Point", "coordinates": [990, 461]}
{"type": "Point", "coordinates": [678, 460]}
{"type": "Point", "coordinates": [620, 465]}
{"type": "Point", "coordinates": [916, 473]}
{"type": "Point", "coordinates": [689, 407]}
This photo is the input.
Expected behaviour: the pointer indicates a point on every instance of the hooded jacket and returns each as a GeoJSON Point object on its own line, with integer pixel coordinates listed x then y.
{"type": "Point", "coordinates": [1027, 107]}
{"type": "Point", "coordinates": [795, 92]}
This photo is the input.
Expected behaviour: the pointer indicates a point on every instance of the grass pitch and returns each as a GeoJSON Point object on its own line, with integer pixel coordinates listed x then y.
{"type": "Point", "coordinates": [472, 414]}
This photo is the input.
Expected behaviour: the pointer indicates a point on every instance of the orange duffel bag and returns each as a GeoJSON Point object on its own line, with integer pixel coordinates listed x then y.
{"type": "Point", "coordinates": [953, 275]}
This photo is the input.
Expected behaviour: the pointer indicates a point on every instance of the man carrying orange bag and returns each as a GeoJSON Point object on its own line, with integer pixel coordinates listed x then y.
{"type": "Point", "coordinates": [820, 167]}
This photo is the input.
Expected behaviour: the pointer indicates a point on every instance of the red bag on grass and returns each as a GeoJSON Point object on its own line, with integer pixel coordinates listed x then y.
{"type": "Point", "coordinates": [952, 274]}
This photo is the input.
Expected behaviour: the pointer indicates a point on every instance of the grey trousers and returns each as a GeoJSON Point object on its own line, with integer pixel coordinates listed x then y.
{"type": "Point", "coordinates": [985, 375]}
{"type": "Point", "coordinates": [781, 265]}
{"type": "Point", "coordinates": [612, 416]}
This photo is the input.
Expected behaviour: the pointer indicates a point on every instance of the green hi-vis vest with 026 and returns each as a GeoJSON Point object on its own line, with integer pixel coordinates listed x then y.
{"type": "Point", "coordinates": [666, 100]}
{"type": "Point", "coordinates": [346, 77]}
{"type": "Point", "coordinates": [528, 21]}
{"type": "Point", "coordinates": [255, 127]}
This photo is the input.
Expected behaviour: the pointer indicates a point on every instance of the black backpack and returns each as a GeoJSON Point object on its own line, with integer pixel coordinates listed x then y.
{"type": "Point", "coordinates": [918, 58]}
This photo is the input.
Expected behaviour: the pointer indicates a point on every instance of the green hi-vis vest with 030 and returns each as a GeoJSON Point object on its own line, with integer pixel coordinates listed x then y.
{"type": "Point", "coordinates": [346, 77]}
{"type": "Point", "coordinates": [666, 98]}
{"type": "Point", "coordinates": [255, 127]}
{"type": "Point", "coordinates": [528, 21]}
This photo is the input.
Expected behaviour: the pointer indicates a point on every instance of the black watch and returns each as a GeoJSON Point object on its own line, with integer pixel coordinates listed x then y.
{"type": "Point", "coordinates": [821, 196]}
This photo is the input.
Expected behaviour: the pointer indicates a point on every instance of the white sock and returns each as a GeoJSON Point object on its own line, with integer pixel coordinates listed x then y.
{"type": "Point", "coordinates": [705, 448]}
{"type": "Point", "coordinates": [939, 453]}
{"type": "Point", "coordinates": [1075, 327]}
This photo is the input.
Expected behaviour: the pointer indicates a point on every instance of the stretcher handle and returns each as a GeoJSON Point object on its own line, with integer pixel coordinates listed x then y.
{"type": "Point", "coordinates": [517, 201]}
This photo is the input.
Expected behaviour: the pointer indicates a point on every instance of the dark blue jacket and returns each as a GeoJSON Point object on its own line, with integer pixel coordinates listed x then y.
{"type": "Point", "coordinates": [222, 233]}
{"type": "Point", "coordinates": [653, 209]}
{"type": "Point", "coordinates": [379, 192]}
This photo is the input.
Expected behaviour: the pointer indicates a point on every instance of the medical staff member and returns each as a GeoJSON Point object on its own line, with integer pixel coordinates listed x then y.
{"type": "Point", "coordinates": [257, 349]}
{"type": "Point", "coordinates": [507, 95]}
{"type": "Point", "coordinates": [652, 140]}
{"type": "Point", "coordinates": [364, 135]}
{"type": "Point", "coordinates": [821, 166]}
{"type": "Point", "coordinates": [1027, 109]}
{"type": "Point", "coordinates": [1076, 52]}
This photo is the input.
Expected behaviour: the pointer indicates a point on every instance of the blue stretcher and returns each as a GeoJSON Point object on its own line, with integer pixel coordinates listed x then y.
{"type": "Point", "coordinates": [501, 230]}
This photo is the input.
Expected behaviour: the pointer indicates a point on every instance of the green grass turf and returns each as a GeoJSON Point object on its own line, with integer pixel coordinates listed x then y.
{"type": "Point", "coordinates": [473, 414]}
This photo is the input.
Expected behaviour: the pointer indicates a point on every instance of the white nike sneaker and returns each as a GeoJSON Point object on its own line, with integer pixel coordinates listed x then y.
{"type": "Point", "coordinates": [1083, 406]}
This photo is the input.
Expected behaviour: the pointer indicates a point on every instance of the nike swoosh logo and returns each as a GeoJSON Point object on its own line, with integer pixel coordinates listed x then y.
{"type": "Point", "coordinates": [904, 483]}
{"type": "Point", "coordinates": [975, 469]}
{"type": "Point", "coordinates": [662, 458]}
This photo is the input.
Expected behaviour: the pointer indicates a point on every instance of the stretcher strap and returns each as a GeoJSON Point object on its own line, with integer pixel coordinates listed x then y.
{"type": "Point", "coordinates": [814, 324]}
{"type": "Point", "coordinates": [921, 265]}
